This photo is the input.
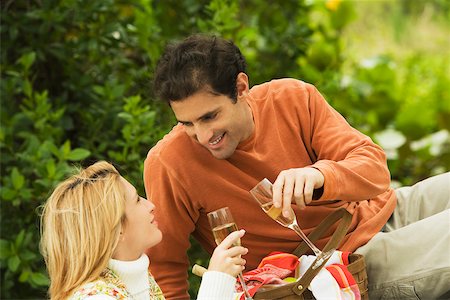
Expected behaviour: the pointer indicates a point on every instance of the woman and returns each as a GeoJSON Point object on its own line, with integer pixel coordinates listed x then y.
{"type": "Point", "coordinates": [95, 229]}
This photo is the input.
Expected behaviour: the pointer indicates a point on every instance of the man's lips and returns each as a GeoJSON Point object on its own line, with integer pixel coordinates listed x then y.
{"type": "Point", "coordinates": [216, 141]}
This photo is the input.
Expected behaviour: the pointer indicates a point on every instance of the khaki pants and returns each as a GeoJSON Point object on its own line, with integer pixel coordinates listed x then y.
{"type": "Point", "coordinates": [410, 258]}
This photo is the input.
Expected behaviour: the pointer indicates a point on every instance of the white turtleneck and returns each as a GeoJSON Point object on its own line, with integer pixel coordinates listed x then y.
{"type": "Point", "coordinates": [134, 274]}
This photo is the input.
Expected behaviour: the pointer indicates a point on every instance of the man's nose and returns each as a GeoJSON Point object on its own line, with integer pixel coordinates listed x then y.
{"type": "Point", "coordinates": [203, 134]}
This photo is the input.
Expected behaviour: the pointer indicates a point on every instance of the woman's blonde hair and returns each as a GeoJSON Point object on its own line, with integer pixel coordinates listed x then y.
{"type": "Point", "coordinates": [80, 227]}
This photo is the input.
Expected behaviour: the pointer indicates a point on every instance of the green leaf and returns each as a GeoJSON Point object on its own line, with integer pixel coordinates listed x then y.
{"type": "Point", "coordinates": [27, 88]}
{"type": "Point", "coordinates": [24, 275]}
{"type": "Point", "coordinates": [100, 90]}
{"type": "Point", "coordinates": [8, 194]}
{"type": "Point", "coordinates": [51, 168]}
{"type": "Point", "coordinates": [17, 179]}
{"type": "Point", "coordinates": [53, 149]}
{"type": "Point", "coordinates": [39, 279]}
{"type": "Point", "coordinates": [65, 149]}
{"type": "Point", "coordinates": [27, 255]}
{"type": "Point", "coordinates": [13, 73]}
{"type": "Point", "coordinates": [13, 263]}
{"type": "Point", "coordinates": [126, 116]}
{"type": "Point", "coordinates": [5, 249]}
{"type": "Point", "coordinates": [78, 154]}
{"type": "Point", "coordinates": [27, 60]}
{"type": "Point", "coordinates": [19, 239]}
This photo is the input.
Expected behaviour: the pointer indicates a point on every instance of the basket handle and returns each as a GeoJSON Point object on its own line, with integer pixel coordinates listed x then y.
{"type": "Point", "coordinates": [345, 219]}
{"type": "Point", "coordinates": [323, 227]}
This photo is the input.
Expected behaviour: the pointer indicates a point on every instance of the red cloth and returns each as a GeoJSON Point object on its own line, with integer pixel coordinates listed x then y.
{"type": "Point", "coordinates": [279, 265]}
{"type": "Point", "coordinates": [272, 270]}
{"type": "Point", "coordinates": [280, 259]}
{"type": "Point", "coordinates": [342, 275]}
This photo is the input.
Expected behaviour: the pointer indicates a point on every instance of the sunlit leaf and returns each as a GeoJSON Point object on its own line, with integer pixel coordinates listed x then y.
{"type": "Point", "coordinates": [78, 154]}
{"type": "Point", "coordinates": [17, 179]}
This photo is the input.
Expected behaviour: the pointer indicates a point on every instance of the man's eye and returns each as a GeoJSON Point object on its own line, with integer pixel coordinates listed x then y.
{"type": "Point", "coordinates": [210, 117]}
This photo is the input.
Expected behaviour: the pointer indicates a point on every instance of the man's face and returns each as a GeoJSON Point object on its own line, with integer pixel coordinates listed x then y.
{"type": "Point", "coordinates": [214, 121]}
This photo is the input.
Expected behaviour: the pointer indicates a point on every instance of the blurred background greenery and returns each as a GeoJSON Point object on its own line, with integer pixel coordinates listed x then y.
{"type": "Point", "coordinates": [75, 88]}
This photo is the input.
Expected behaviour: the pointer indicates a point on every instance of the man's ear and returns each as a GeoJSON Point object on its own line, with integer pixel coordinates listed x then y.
{"type": "Point", "coordinates": [242, 85]}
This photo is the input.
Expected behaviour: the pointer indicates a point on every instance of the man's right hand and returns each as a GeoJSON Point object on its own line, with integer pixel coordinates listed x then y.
{"type": "Point", "coordinates": [296, 186]}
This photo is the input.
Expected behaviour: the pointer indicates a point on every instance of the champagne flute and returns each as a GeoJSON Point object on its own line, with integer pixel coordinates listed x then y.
{"type": "Point", "coordinates": [222, 224]}
{"type": "Point", "coordinates": [262, 193]}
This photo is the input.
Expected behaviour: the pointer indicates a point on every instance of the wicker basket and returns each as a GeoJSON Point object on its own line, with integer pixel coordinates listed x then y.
{"type": "Point", "coordinates": [298, 289]}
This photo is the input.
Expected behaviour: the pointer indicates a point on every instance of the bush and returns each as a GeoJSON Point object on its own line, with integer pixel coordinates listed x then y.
{"type": "Point", "coordinates": [75, 89]}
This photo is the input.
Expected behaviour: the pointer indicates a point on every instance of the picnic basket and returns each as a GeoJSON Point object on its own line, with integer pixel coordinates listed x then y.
{"type": "Point", "coordinates": [299, 289]}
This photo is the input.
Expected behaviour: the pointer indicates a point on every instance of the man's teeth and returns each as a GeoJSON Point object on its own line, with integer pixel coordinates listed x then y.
{"type": "Point", "coordinates": [217, 140]}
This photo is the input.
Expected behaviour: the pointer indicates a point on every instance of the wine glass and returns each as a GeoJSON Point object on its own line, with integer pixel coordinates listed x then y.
{"type": "Point", "coordinates": [262, 193]}
{"type": "Point", "coordinates": [222, 224]}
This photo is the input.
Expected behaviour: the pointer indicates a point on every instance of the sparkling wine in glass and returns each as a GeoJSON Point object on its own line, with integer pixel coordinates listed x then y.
{"type": "Point", "coordinates": [222, 224]}
{"type": "Point", "coordinates": [262, 193]}
{"type": "Point", "coordinates": [222, 231]}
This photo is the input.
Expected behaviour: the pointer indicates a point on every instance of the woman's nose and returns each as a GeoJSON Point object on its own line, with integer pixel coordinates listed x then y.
{"type": "Point", "coordinates": [150, 204]}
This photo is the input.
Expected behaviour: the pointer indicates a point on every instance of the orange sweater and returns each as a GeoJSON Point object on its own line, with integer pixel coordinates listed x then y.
{"type": "Point", "coordinates": [294, 127]}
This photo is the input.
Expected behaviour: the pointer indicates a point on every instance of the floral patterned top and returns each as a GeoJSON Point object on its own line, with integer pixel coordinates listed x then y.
{"type": "Point", "coordinates": [111, 285]}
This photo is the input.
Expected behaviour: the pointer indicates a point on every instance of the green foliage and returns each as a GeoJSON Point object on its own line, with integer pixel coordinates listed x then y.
{"type": "Point", "coordinates": [76, 88]}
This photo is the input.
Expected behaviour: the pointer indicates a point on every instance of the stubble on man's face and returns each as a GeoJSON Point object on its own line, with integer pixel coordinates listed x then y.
{"type": "Point", "coordinates": [215, 122]}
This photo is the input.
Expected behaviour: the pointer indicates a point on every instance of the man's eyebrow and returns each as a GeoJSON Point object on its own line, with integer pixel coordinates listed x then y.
{"type": "Point", "coordinates": [205, 115]}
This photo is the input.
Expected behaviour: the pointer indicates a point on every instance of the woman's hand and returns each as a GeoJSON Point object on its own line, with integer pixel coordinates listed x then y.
{"type": "Point", "coordinates": [226, 257]}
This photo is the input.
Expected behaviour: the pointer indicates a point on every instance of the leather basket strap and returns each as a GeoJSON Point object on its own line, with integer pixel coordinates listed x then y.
{"type": "Point", "coordinates": [323, 227]}
{"type": "Point", "coordinates": [345, 219]}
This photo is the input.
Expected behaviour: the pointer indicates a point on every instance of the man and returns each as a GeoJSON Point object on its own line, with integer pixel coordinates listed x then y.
{"type": "Point", "coordinates": [229, 137]}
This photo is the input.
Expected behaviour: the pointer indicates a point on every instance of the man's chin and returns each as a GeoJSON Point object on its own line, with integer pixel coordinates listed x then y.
{"type": "Point", "coordinates": [220, 154]}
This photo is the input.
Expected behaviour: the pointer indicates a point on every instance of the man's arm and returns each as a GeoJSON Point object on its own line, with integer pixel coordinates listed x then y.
{"type": "Point", "coordinates": [168, 260]}
{"type": "Point", "coordinates": [349, 165]}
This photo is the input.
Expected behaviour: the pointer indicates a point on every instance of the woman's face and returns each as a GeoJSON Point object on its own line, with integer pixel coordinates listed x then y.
{"type": "Point", "coordinates": [140, 230]}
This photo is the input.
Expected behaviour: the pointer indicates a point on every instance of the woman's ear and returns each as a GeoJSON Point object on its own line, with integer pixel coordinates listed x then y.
{"type": "Point", "coordinates": [242, 85]}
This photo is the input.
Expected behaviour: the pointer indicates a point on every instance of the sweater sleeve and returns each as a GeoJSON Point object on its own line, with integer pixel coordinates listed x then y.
{"type": "Point", "coordinates": [216, 285]}
{"type": "Point", "coordinates": [176, 219]}
{"type": "Point", "coordinates": [353, 166]}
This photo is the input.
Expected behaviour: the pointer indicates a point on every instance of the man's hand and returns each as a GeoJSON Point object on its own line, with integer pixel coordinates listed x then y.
{"type": "Point", "coordinates": [296, 184]}
{"type": "Point", "coordinates": [227, 257]}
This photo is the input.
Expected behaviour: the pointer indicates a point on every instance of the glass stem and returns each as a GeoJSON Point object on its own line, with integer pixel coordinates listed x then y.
{"type": "Point", "coordinates": [244, 287]}
{"type": "Point", "coordinates": [297, 229]}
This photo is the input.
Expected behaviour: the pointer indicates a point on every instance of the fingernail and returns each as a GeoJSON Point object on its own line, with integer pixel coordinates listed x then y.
{"type": "Point", "coordinates": [286, 213]}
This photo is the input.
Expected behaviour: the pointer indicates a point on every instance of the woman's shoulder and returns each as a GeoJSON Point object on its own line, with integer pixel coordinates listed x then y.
{"type": "Point", "coordinates": [99, 290]}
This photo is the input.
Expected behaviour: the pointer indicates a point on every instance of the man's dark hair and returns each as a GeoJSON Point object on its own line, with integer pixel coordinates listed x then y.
{"type": "Point", "coordinates": [197, 62]}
